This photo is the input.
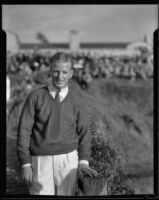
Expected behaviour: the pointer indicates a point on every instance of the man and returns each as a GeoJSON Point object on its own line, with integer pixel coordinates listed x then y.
{"type": "Point", "coordinates": [53, 140]}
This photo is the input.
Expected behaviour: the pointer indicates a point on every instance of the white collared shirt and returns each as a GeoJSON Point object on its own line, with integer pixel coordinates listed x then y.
{"type": "Point", "coordinates": [63, 92]}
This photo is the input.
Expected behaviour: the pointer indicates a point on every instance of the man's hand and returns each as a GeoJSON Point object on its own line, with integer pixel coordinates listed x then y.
{"type": "Point", "coordinates": [27, 174]}
{"type": "Point", "coordinates": [84, 169]}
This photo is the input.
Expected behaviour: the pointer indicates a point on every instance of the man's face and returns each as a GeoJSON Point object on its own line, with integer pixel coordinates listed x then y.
{"type": "Point", "coordinates": [61, 74]}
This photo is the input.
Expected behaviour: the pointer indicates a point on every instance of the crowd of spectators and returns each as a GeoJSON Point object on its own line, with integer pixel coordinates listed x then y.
{"type": "Point", "coordinates": [93, 67]}
{"type": "Point", "coordinates": [32, 69]}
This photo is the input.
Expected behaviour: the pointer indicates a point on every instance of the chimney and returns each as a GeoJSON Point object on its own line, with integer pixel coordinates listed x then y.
{"type": "Point", "coordinates": [74, 40]}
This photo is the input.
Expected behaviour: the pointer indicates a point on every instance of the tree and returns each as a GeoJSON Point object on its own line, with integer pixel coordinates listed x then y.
{"type": "Point", "coordinates": [42, 38]}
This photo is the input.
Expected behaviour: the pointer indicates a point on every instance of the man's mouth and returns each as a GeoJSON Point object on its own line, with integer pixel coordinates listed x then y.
{"type": "Point", "coordinates": [59, 82]}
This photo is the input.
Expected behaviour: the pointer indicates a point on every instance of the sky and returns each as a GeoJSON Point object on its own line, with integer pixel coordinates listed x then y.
{"type": "Point", "coordinates": [95, 23]}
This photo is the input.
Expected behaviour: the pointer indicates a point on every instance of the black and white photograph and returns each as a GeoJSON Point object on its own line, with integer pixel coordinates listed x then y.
{"type": "Point", "coordinates": [80, 99]}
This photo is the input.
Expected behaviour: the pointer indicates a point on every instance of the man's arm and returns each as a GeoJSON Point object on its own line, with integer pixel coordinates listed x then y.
{"type": "Point", "coordinates": [83, 131]}
{"type": "Point", "coordinates": [25, 126]}
{"type": "Point", "coordinates": [26, 123]}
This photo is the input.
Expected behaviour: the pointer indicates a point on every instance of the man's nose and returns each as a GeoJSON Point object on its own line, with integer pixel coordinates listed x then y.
{"type": "Point", "coordinates": [60, 75]}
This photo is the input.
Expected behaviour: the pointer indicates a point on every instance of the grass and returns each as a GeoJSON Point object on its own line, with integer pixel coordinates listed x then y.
{"type": "Point", "coordinates": [125, 114]}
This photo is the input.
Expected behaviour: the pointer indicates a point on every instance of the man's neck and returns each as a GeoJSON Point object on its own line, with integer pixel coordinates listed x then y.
{"type": "Point", "coordinates": [54, 88]}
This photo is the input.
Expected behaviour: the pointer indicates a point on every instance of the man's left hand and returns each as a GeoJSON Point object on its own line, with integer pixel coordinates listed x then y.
{"type": "Point", "coordinates": [84, 169]}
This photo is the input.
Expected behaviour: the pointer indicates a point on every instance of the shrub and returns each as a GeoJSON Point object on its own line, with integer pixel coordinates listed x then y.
{"type": "Point", "coordinates": [108, 163]}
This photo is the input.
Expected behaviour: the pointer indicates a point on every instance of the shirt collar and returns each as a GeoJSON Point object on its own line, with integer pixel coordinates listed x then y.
{"type": "Point", "coordinates": [63, 91]}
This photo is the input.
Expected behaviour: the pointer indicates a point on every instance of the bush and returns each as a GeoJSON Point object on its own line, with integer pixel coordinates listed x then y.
{"type": "Point", "coordinates": [108, 163]}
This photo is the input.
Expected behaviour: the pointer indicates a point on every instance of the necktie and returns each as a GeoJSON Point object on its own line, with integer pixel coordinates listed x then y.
{"type": "Point", "coordinates": [57, 96]}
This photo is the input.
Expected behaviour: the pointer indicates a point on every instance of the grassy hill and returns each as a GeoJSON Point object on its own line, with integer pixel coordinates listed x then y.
{"type": "Point", "coordinates": [124, 115]}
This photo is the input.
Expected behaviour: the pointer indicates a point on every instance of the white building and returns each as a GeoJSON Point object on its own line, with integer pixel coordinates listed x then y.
{"type": "Point", "coordinates": [73, 45]}
{"type": "Point", "coordinates": [12, 41]}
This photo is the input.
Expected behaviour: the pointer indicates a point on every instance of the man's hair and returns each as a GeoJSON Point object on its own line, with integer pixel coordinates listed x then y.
{"type": "Point", "coordinates": [61, 57]}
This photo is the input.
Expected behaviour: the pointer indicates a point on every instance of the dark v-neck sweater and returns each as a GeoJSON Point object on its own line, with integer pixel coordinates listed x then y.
{"type": "Point", "coordinates": [47, 127]}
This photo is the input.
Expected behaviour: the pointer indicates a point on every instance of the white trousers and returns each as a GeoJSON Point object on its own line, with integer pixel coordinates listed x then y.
{"type": "Point", "coordinates": [54, 175]}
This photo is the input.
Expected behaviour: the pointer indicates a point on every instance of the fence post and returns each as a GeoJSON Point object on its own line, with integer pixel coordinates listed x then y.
{"type": "Point", "coordinates": [93, 186]}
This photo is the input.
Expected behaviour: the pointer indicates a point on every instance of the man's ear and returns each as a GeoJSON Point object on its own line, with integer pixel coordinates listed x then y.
{"type": "Point", "coordinates": [50, 71]}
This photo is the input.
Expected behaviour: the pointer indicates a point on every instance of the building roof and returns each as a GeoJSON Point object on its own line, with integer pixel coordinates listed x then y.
{"type": "Point", "coordinates": [104, 45]}
{"type": "Point", "coordinates": [86, 45]}
{"type": "Point", "coordinates": [44, 46]}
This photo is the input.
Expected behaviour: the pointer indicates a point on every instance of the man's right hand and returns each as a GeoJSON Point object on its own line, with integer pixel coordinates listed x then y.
{"type": "Point", "coordinates": [27, 174]}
